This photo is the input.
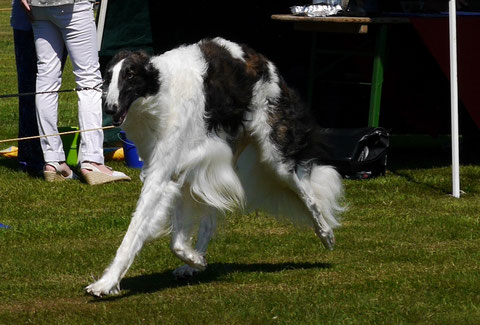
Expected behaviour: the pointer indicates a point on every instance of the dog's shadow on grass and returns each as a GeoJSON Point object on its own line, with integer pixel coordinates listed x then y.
{"type": "Point", "coordinates": [160, 281]}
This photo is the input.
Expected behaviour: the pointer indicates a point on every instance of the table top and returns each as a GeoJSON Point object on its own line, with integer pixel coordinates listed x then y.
{"type": "Point", "coordinates": [343, 19]}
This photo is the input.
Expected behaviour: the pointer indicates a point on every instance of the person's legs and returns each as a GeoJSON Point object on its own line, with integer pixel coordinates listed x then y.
{"type": "Point", "coordinates": [73, 26]}
{"type": "Point", "coordinates": [49, 47]}
{"type": "Point", "coordinates": [79, 34]}
{"type": "Point", "coordinates": [29, 151]}
{"type": "Point", "coordinates": [50, 53]}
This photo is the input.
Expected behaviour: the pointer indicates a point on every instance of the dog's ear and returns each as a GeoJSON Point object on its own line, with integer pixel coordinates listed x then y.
{"type": "Point", "coordinates": [139, 58]}
{"type": "Point", "coordinates": [122, 54]}
{"type": "Point", "coordinates": [142, 55]}
{"type": "Point", "coordinates": [119, 56]}
{"type": "Point", "coordinates": [139, 55]}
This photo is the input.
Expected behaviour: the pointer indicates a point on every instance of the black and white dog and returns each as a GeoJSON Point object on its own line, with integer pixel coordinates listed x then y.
{"type": "Point", "coordinates": [218, 129]}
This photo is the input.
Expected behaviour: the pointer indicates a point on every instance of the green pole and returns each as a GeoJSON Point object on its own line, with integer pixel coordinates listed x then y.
{"type": "Point", "coordinates": [377, 76]}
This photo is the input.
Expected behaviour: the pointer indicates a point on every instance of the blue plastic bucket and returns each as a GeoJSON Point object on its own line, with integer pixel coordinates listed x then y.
{"type": "Point", "coordinates": [130, 151]}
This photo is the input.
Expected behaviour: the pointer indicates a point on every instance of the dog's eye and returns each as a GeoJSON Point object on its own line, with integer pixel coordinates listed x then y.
{"type": "Point", "coordinates": [130, 75]}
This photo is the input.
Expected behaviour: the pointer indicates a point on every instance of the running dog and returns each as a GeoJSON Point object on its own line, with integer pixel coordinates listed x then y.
{"type": "Point", "coordinates": [218, 129]}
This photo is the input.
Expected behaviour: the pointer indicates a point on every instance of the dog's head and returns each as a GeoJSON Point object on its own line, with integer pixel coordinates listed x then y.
{"type": "Point", "coordinates": [128, 77]}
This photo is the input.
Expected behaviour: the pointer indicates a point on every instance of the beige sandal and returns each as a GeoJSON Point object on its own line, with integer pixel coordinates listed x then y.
{"type": "Point", "coordinates": [96, 177]}
{"type": "Point", "coordinates": [57, 176]}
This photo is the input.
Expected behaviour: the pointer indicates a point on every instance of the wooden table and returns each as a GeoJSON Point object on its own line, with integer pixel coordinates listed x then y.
{"type": "Point", "coordinates": [356, 25]}
{"type": "Point", "coordinates": [336, 24]}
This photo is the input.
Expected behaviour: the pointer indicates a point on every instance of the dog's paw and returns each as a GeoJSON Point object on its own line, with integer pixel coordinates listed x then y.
{"type": "Point", "coordinates": [103, 287]}
{"type": "Point", "coordinates": [192, 258]}
{"type": "Point", "coordinates": [198, 262]}
{"type": "Point", "coordinates": [327, 238]}
{"type": "Point", "coordinates": [185, 272]}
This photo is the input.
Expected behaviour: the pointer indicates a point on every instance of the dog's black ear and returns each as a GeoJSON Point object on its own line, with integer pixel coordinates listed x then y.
{"type": "Point", "coordinates": [122, 54]}
{"type": "Point", "coordinates": [119, 56]}
{"type": "Point", "coordinates": [139, 58]}
{"type": "Point", "coordinates": [142, 55]}
{"type": "Point", "coordinates": [152, 76]}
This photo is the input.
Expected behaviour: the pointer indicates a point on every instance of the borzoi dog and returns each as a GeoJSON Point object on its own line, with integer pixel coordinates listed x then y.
{"type": "Point", "coordinates": [218, 129]}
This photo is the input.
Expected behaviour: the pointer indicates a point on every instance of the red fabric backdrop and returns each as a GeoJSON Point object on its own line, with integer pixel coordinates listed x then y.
{"type": "Point", "coordinates": [435, 34]}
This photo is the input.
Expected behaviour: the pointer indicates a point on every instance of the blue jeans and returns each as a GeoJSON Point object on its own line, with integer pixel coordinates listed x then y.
{"type": "Point", "coordinates": [30, 155]}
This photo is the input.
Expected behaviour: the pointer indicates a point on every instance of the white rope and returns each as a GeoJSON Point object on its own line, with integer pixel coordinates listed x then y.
{"type": "Point", "coordinates": [56, 134]}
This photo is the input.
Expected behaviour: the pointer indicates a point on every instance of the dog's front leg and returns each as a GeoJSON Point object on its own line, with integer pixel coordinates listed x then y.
{"type": "Point", "coordinates": [150, 220]}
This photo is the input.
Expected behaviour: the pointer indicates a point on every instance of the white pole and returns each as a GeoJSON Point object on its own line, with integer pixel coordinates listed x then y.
{"type": "Point", "coordinates": [101, 22]}
{"type": "Point", "coordinates": [454, 98]}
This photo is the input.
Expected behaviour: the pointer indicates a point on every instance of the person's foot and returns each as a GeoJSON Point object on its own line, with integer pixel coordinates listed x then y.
{"type": "Point", "coordinates": [102, 168]}
{"type": "Point", "coordinates": [95, 174]}
{"type": "Point", "coordinates": [58, 171]}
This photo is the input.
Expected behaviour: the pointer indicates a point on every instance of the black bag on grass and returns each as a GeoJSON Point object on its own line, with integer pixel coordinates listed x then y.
{"type": "Point", "coordinates": [356, 153]}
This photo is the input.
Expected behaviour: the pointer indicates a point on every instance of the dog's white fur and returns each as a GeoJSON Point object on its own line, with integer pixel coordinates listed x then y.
{"type": "Point", "coordinates": [189, 174]}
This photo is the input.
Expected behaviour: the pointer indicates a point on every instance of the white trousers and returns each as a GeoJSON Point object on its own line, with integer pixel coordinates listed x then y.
{"type": "Point", "coordinates": [73, 27]}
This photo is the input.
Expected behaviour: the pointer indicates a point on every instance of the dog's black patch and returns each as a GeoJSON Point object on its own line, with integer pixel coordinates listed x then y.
{"type": "Point", "coordinates": [138, 78]}
{"type": "Point", "coordinates": [291, 125]}
{"type": "Point", "coordinates": [119, 56]}
{"type": "Point", "coordinates": [228, 86]}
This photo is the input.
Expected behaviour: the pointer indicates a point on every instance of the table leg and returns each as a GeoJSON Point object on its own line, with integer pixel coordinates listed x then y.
{"type": "Point", "coordinates": [377, 76]}
{"type": "Point", "coordinates": [311, 74]}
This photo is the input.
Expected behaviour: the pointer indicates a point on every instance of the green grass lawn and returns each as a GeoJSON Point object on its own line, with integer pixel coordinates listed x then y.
{"type": "Point", "coordinates": [407, 252]}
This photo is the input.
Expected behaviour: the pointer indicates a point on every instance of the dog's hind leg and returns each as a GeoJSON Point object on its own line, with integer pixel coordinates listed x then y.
{"type": "Point", "coordinates": [205, 233]}
{"type": "Point", "coordinates": [306, 190]}
{"type": "Point", "coordinates": [319, 187]}
{"type": "Point", "coordinates": [149, 220]}
{"type": "Point", "coordinates": [183, 223]}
